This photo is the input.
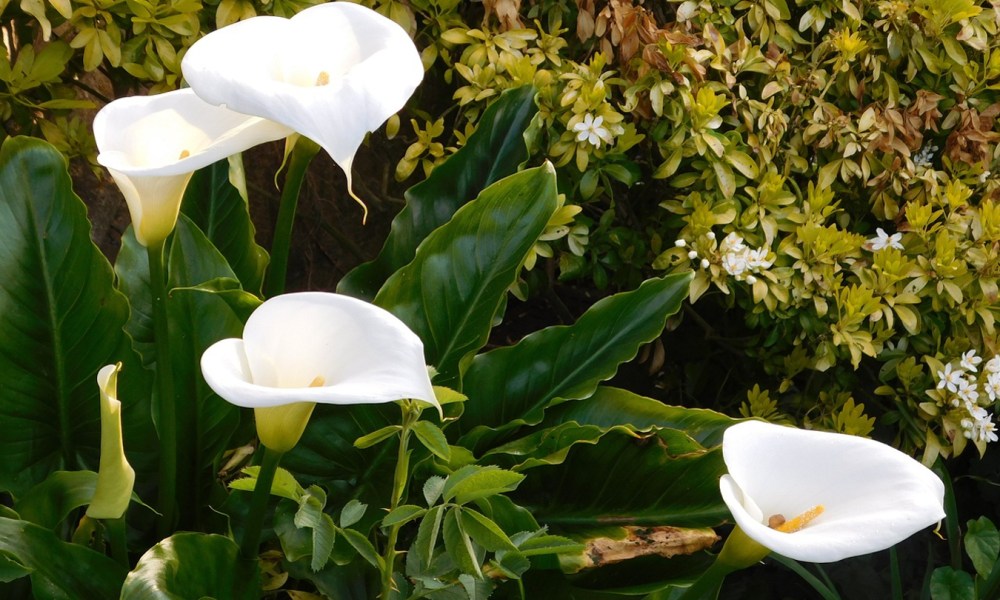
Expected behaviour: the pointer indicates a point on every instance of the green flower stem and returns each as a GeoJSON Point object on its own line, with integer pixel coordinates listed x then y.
{"type": "Point", "coordinates": [116, 535]}
{"type": "Point", "coordinates": [302, 154]}
{"type": "Point", "coordinates": [739, 552]}
{"type": "Point", "coordinates": [400, 478]}
{"type": "Point", "coordinates": [167, 424]}
{"type": "Point", "coordinates": [258, 504]}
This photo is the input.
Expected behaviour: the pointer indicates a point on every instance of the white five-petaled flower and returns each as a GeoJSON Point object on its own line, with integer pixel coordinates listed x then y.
{"type": "Point", "coordinates": [992, 386]}
{"type": "Point", "coordinates": [992, 365]}
{"type": "Point", "coordinates": [861, 495]}
{"type": "Point", "coordinates": [333, 72]}
{"type": "Point", "coordinates": [592, 130]}
{"type": "Point", "coordinates": [315, 347]}
{"type": "Point", "coordinates": [968, 391]}
{"type": "Point", "coordinates": [152, 144]}
{"type": "Point", "coordinates": [883, 240]}
{"type": "Point", "coordinates": [950, 378]}
{"type": "Point", "coordinates": [970, 361]}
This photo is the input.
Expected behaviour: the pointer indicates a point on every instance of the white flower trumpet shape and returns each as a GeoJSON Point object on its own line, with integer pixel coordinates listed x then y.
{"type": "Point", "coordinates": [315, 347]}
{"type": "Point", "coordinates": [153, 144]}
{"type": "Point", "coordinates": [115, 477]}
{"type": "Point", "coordinates": [333, 72]}
{"type": "Point", "coordinates": [839, 495]}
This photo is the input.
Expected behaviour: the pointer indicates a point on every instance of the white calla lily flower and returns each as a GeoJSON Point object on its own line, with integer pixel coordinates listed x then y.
{"type": "Point", "coordinates": [316, 347]}
{"type": "Point", "coordinates": [840, 495]}
{"type": "Point", "coordinates": [333, 72]}
{"type": "Point", "coordinates": [115, 477]}
{"type": "Point", "coordinates": [152, 145]}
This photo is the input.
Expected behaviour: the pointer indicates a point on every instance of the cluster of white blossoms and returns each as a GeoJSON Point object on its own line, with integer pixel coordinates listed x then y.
{"type": "Point", "coordinates": [741, 261]}
{"type": "Point", "coordinates": [964, 386]}
{"type": "Point", "coordinates": [735, 257]}
{"type": "Point", "coordinates": [883, 240]}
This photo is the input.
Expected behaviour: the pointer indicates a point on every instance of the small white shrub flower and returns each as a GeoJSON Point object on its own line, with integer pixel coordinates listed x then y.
{"type": "Point", "coordinates": [592, 131]}
{"type": "Point", "coordinates": [970, 361]}
{"type": "Point", "coordinates": [949, 378]}
{"type": "Point", "coordinates": [883, 240]}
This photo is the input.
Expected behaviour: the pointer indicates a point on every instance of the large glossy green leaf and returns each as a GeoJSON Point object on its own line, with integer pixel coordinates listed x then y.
{"type": "Point", "coordinates": [492, 152]}
{"type": "Point", "coordinates": [51, 501]}
{"type": "Point", "coordinates": [451, 291]}
{"type": "Point", "coordinates": [512, 386]}
{"type": "Point", "coordinates": [60, 319]}
{"type": "Point", "coordinates": [59, 570]}
{"type": "Point", "coordinates": [659, 478]}
{"type": "Point", "coordinates": [610, 406]}
{"type": "Point", "coordinates": [189, 566]}
{"type": "Point", "coordinates": [218, 209]}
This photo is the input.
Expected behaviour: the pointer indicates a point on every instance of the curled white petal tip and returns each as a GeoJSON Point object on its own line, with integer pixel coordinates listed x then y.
{"type": "Point", "coordinates": [152, 144]}
{"type": "Point", "coordinates": [319, 347]}
{"type": "Point", "coordinates": [873, 496]}
{"type": "Point", "coordinates": [333, 72]}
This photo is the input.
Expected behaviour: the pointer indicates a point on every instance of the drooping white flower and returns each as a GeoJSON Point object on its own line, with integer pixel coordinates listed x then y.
{"type": "Point", "coordinates": [950, 378]}
{"type": "Point", "coordinates": [333, 72]}
{"type": "Point", "coordinates": [316, 347]}
{"type": "Point", "coordinates": [592, 131]}
{"type": "Point", "coordinates": [152, 144]}
{"type": "Point", "coordinates": [970, 361]}
{"type": "Point", "coordinates": [883, 240]}
{"type": "Point", "coordinates": [847, 495]}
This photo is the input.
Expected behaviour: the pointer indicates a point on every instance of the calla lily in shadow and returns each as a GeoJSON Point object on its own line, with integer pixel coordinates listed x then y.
{"type": "Point", "coordinates": [115, 476]}
{"type": "Point", "coordinates": [822, 497]}
{"type": "Point", "coordinates": [333, 72]}
{"type": "Point", "coordinates": [152, 144]}
{"type": "Point", "coordinates": [315, 347]}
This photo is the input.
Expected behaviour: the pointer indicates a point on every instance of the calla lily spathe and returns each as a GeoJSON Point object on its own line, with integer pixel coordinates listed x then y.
{"type": "Point", "coordinates": [315, 347]}
{"type": "Point", "coordinates": [151, 145]}
{"type": "Point", "coordinates": [871, 495]}
{"type": "Point", "coordinates": [333, 72]}
{"type": "Point", "coordinates": [115, 477]}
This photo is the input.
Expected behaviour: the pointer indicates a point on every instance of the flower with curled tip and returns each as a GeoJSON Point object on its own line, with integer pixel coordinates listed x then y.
{"type": "Point", "coordinates": [306, 348]}
{"type": "Point", "coordinates": [115, 477]}
{"type": "Point", "coordinates": [333, 72]}
{"type": "Point", "coordinates": [822, 497]}
{"type": "Point", "coordinates": [152, 145]}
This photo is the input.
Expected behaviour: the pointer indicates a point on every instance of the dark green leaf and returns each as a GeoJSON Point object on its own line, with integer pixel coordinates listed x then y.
{"type": "Point", "coordinates": [218, 209]}
{"type": "Point", "coordinates": [982, 543]}
{"type": "Point", "coordinates": [548, 544]}
{"type": "Point", "coordinates": [60, 320]}
{"type": "Point", "coordinates": [11, 567]}
{"type": "Point", "coordinates": [192, 565]}
{"type": "Point", "coordinates": [352, 513]}
{"type": "Point", "coordinates": [483, 531]}
{"type": "Point", "coordinates": [949, 584]}
{"type": "Point", "coordinates": [373, 438]}
{"type": "Point", "coordinates": [432, 438]}
{"type": "Point", "coordinates": [459, 545]}
{"type": "Point", "coordinates": [324, 533]}
{"type": "Point", "coordinates": [492, 152]}
{"type": "Point", "coordinates": [512, 386]}
{"type": "Point", "coordinates": [364, 547]}
{"type": "Point", "coordinates": [422, 551]}
{"type": "Point", "coordinates": [610, 406]}
{"type": "Point", "coordinates": [433, 488]}
{"type": "Point", "coordinates": [296, 542]}
{"type": "Point", "coordinates": [242, 303]}
{"type": "Point", "coordinates": [514, 564]}
{"type": "Point", "coordinates": [662, 478]}
{"type": "Point", "coordinates": [452, 290]}
{"type": "Point", "coordinates": [402, 515]}
{"type": "Point", "coordinates": [51, 501]}
{"type": "Point", "coordinates": [59, 570]}
{"type": "Point", "coordinates": [284, 484]}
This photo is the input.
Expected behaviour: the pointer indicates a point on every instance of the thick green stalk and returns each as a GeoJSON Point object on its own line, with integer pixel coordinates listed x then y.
{"type": "Point", "coordinates": [707, 586]}
{"type": "Point", "coordinates": [167, 423]}
{"type": "Point", "coordinates": [258, 504]}
{"type": "Point", "coordinates": [302, 154]}
{"type": "Point", "coordinates": [116, 535]}
{"type": "Point", "coordinates": [739, 552]}
{"type": "Point", "coordinates": [399, 480]}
